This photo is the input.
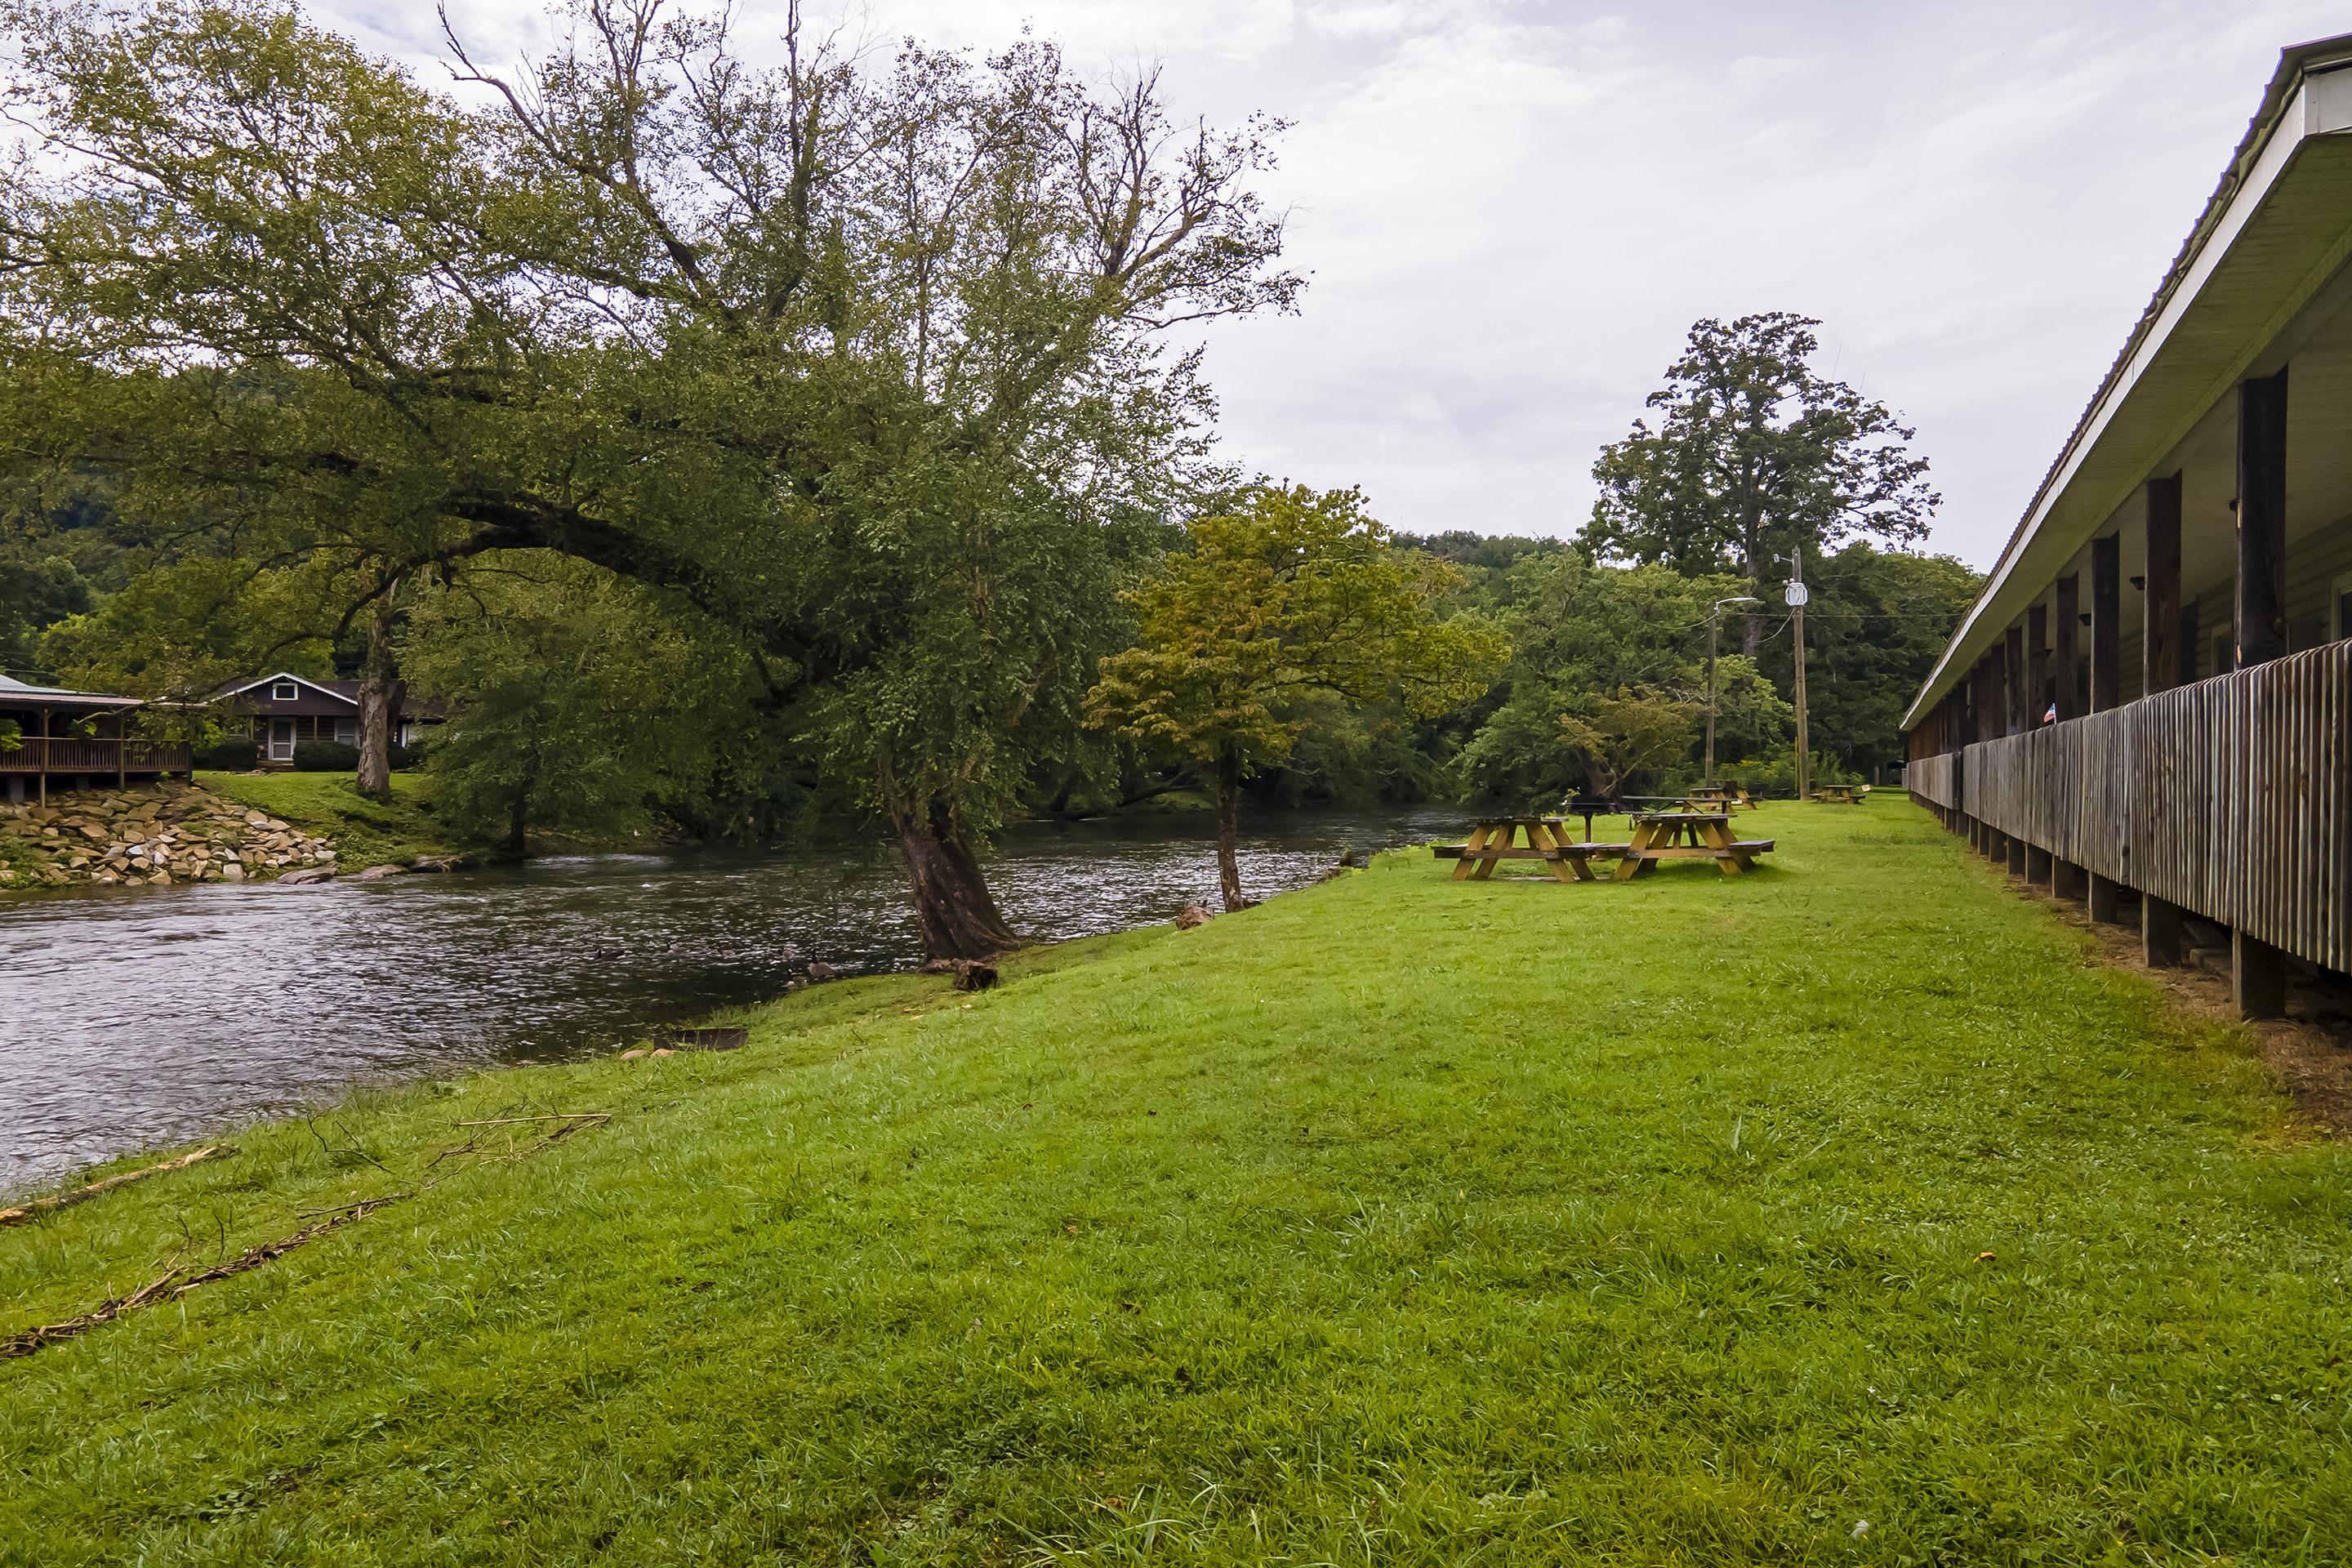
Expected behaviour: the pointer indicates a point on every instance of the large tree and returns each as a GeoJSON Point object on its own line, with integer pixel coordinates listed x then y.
{"type": "Point", "coordinates": [866, 363]}
{"type": "Point", "coordinates": [1292, 599]}
{"type": "Point", "coordinates": [1753, 455]}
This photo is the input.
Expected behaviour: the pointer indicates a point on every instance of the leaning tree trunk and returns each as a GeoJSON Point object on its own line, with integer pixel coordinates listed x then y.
{"type": "Point", "coordinates": [1229, 829]}
{"type": "Point", "coordinates": [956, 913]}
{"type": "Point", "coordinates": [381, 690]}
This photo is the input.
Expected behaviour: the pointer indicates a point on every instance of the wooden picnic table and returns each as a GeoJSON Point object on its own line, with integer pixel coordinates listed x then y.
{"type": "Point", "coordinates": [1495, 839]}
{"type": "Point", "coordinates": [1838, 794]}
{"type": "Point", "coordinates": [1687, 836]}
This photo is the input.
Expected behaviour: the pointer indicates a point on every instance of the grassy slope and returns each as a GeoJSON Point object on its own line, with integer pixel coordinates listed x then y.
{"type": "Point", "coordinates": [365, 833]}
{"type": "Point", "coordinates": [1393, 1220]}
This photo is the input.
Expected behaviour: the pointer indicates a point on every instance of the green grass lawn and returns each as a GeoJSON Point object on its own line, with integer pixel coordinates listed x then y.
{"type": "Point", "coordinates": [1842, 1213]}
{"type": "Point", "coordinates": [366, 832]}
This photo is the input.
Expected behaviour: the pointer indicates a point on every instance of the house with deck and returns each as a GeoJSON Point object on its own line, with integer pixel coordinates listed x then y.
{"type": "Point", "coordinates": [51, 738]}
{"type": "Point", "coordinates": [2150, 706]}
{"type": "Point", "coordinates": [283, 710]}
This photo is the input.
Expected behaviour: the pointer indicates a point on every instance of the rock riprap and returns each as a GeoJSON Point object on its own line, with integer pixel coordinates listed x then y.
{"type": "Point", "coordinates": [155, 835]}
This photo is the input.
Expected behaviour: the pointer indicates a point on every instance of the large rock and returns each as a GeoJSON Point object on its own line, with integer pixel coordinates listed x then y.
{"type": "Point", "coordinates": [377, 873]}
{"type": "Point", "coordinates": [302, 879]}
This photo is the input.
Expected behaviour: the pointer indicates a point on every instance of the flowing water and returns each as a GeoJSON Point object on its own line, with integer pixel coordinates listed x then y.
{"type": "Point", "coordinates": [132, 1017]}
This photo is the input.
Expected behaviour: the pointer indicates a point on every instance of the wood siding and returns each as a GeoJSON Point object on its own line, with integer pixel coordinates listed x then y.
{"type": "Point", "coordinates": [2230, 797]}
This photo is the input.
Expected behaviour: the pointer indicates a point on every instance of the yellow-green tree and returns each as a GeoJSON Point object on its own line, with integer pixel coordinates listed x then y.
{"type": "Point", "coordinates": [1293, 597]}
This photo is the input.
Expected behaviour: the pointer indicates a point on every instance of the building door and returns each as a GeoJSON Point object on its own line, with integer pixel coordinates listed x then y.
{"type": "Point", "coordinates": [281, 740]}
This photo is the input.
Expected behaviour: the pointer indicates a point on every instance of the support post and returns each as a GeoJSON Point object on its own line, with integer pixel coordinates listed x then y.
{"type": "Point", "coordinates": [2037, 866]}
{"type": "Point", "coordinates": [2160, 649]}
{"type": "Point", "coordinates": [2037, 665]}
{"type": "Point", "coordinates": [2067, 880]}
{"type": "Point", "coordinates": [2160, 932]}
{"type": "Point", "coordinates": [2257, 977]}
{"type": "Point", "coordinates": [2069, 613]}
{"type": "Point", "coordinates": [2106, 606]}
{"type": "Point", "coordinates": [2105, 896]}
{"type": "Point", "coordinates": [2013, 669]}
{"type": "Point", "coordinates": [2262, 519]}
{"type": "Point", "coordinates": [2017, 856]}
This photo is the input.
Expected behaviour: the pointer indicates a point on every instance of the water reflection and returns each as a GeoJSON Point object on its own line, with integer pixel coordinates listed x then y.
{"type": "Point", "coordinates": [136, 1016]}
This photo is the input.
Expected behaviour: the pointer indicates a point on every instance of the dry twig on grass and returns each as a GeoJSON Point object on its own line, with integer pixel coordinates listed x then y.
{"type": "Point", "coordinates": [39, 1206]}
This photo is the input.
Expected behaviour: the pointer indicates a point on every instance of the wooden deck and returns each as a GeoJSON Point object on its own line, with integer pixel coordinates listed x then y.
{"type": "Point", "coordinates": [2231, 798]}
{"type": "Point", "coordinates": [55, 756]}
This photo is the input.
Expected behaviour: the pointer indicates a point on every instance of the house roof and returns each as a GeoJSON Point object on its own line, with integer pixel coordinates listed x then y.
{"type": "Point", "coordinates": [342, 690]}
{"type": "Point", "coordinates": [16, 693]}
{"type": "Point", "coordinates": [2269, 245]}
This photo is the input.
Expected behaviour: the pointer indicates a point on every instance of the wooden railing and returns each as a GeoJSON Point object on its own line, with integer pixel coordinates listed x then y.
{"type": "Point", "coordinates": [2231, 797]}
{"type": "Point", "coordinates": [78, 754]}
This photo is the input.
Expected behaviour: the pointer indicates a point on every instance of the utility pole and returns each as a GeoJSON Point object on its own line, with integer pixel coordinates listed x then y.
{"type": "Point", "coordinates": [1798, 594]}
{"type": "Point", "coordinates": [1714, 627]}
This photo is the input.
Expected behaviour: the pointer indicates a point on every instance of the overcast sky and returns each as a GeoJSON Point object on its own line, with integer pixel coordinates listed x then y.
{"type": "Point", "coordinates": [1511, 210]}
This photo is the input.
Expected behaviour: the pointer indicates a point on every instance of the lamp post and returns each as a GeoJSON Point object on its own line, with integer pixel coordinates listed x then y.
{"type": "Point", "coordinates": [1714, 625]}
{"type": "Point", "coordinates": [1796, 596]}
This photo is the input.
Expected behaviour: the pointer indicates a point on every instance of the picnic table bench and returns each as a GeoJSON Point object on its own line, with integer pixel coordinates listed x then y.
{"type": "Point", "coordinates": [1495, 839]}
{"type": "Point", "coordinates": [1841, 794]}
{"type": "Point", "coordinates": [1687, 836]}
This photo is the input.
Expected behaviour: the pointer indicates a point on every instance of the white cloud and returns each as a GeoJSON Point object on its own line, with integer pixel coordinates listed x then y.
{"type": "Point", "coordinates": [1513, 209]}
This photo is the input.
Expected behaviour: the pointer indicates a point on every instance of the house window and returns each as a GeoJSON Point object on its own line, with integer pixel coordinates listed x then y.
{"type": "Point", "coordinates": [347, 731]}
{"type": "Point", "coordinates": [284, 691]}
{"type": "Point", "coordinates": [2339, 598]}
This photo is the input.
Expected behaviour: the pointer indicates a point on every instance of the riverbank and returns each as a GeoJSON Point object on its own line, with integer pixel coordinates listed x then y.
{"type": "Point", "coordinates": [364, 832]}
{"type": "Point", "coordinates": [1847, 1212]}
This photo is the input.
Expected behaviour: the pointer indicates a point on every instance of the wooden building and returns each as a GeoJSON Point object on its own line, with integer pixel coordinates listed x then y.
{"type": "Point", "coordinates": [54, 739]}
{"type": "Point", "coordinates": [281, 711]}
{"type": "Point", "coordinates": [2152, 703]}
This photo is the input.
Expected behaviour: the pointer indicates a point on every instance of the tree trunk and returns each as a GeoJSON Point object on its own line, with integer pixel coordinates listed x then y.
{"type": "Point", "coordinates": [381, 690]}
{"type": "Point", "coordinates": [1229, 825]}
{"type": "Point", "coordinates": [956, 913]}
{"type": "Point", "coordinates": [1751, 633]}
{"type": "Point", "coordinates": [518, 824]}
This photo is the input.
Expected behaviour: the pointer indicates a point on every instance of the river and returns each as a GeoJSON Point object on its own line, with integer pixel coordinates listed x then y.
{"type": "Point", "coordinates": [136, 1018]}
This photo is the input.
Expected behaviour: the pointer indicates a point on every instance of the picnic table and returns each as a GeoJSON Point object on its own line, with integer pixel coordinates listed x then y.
{"type": "Point", "coordinates": [1687, 836]}
{"type": "Point", "coordinates": [1495, 839]}
{"type": "Point", "coordinates": [1839, 794]}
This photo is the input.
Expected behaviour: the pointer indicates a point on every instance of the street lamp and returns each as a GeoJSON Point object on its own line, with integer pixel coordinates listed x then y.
{"type": "Point", "coordinates": [1713, 625]}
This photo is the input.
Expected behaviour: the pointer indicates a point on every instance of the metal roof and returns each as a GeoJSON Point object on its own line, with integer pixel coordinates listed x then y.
{"type": "Point", "coordinates": [2276, 231]}
{"type": "Point", "coordinates": [17, 692]}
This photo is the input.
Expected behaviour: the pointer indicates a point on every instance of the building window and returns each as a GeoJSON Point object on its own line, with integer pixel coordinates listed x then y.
{"type": "Point", "coordinates": [284, 691]}
{"type": "Point", "coordinates": [2340, 598]}
{"type": "Point", "coordinates": [347, 731]}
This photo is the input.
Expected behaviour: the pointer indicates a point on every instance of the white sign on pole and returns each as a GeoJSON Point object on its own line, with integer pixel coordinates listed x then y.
{"type": "Point", "coordinates": [1796, 596]}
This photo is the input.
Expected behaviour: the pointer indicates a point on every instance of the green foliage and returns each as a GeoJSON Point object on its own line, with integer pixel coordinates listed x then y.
{"type": "Point", "coordinates": [367, 832]}
{"type": "Point", "coordinates": [862, 360]}
{"type": "Point", "coordinates": [1295, 597]}
{"type": "Point", "coordinates": [1606, 689]}
{"type": "Point", "coordinates": [576, 705]}
{"type": "Point", "coordinates": [231, 754]}
{"type": "Point", "coordinates": [1251, 1241]}
{"type": "Point", "coordinates": [1876, 625]}
{"type": "Point", "coordinates": [325, 757]}
{"type": "Point", "coordinates": [1755, 454]}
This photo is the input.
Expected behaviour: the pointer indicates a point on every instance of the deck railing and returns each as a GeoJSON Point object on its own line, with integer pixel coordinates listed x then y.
{"type": "Point", "coordinates": [84, 754]}
{"type": "Point", "coordinates": [2231, 797]}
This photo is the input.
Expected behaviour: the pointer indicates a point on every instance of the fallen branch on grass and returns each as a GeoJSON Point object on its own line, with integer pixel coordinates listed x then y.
{"type": "Point", "coordinates": [518, 1121]}
{"type": "Point", "coordinates": [39, 1206]}
{"type": "Point", "coordinates": [172, 1283]}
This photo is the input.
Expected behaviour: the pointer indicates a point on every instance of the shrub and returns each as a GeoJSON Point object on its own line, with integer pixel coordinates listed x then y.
{"type": "Point", "coordinates": [229, 754]}
{"type": "Point", "coordinates": [325, 757]}
{"type": "Point", "coordinates": [405, 758]}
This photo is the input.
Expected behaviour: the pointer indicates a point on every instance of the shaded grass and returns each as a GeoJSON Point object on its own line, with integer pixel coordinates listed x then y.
{"type": "Point", "coordinates": [365, 832]}
{"type": "Point", "coordinates": [1399, 1219]}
